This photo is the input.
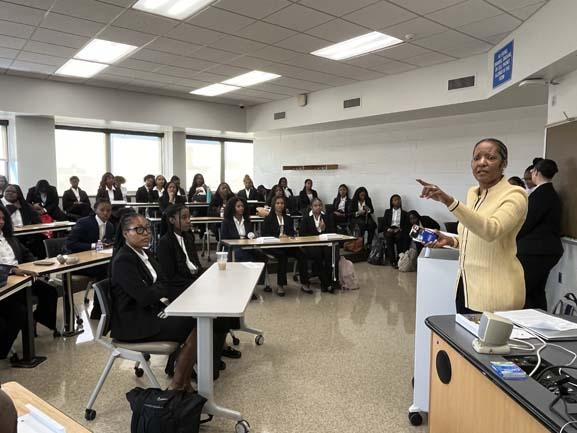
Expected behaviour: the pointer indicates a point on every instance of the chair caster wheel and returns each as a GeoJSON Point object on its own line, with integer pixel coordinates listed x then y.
{"type": "Point", "coordinates": [259, 340]}
{"type": "Point", "coordinates": [242, 427]}
{"type": "Point", "coordinates": [89, 414]}
{"type": "Point", "coordinates": [139, 372]}
{"type": "Point", "coordinates": [415, 418]}
{"type": "Point", "coordinates": [79, 321]}
{"type": "Point", "coordinates": [147, 356]}
{"type": "Point", "coordinates": [235, 341]}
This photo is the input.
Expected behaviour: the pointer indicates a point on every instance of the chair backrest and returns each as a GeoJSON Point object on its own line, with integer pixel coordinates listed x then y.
{"type": "Point", "coordinates": [380, 224]}
{"type": "Point", "coordinates": [451, 227]}
{"type": "Point", "coordinates": [54, 246]}
{"type": "Point", "coordinates": [102, 290]}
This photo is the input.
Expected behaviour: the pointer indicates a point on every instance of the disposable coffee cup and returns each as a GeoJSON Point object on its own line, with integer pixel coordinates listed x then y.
{"type": "Point", "coordinates": [221, 259]}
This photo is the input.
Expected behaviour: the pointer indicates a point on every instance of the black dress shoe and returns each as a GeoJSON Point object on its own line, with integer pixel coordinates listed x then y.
{"type": "Point", "coordinates": [268, 289]}
{"type": "Point", "coordinates": [331, 290]}
{"type": "Point", "coordinates": [254, 297]}
{"type": "Point", "coordinates": [307, 290]}
{"type": "Point", "coordinates": [230, 352]}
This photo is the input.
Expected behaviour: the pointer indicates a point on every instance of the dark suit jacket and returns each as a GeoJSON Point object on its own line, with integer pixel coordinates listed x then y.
{"type": "Point", "coordinates": [253, 194]}
{"type": "Point", "coordinates": [173, 262]}
{"type": "Point", "coordinates": [228, 229]}
{"type": "Point", "coordinates": [52, 203]}
{"type": "Point", "coordinates": [308, 227]}
{"type": "Point", "coordinates": [270, 226]}
{"type": "Point", "coordinates": [541, 232]}
{"type": "Point", "coordinates": [163, 202]}
{"type": "Point", "coordinates": [29, 215]}
{"type": "Point", "coordinates": [388, 217]}
{"type": "Point", "coordinates": [144, 195]}
{"type": "Point", "coordinates": [348, 203]}
{"type": "Point", "coordinates": [192, 194]}
{"type": "Point", "coordinates": [355, 207]}
{"type": "Point", "coordinates": [216, 203]}
{"type": "Point", "coordinates": [69, 199]}
{"type": "Point", "coordinates": [22, 254]}
{"type": "Point", "coordinates": [85, 233]}
{"type": "Point", "coordinates": [135, 299]}
{"type": "Point", "coordinates": [304, 202]}
{"type": "Point", "coordinates": [102, 194]}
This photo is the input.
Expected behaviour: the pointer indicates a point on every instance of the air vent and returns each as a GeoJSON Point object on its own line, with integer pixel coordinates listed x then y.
{"type": "Point", "coordinates": [280, 115]}
{"type": "Point", "coordinates": [350, 103]}
{"type": "Point", "coordinates": [461, 83]}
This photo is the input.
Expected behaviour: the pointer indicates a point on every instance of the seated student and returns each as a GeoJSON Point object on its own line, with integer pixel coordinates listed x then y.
{"type": "Point", "coordinates": [315, 223]}
{"type": "Point", "coordinates": [45, 198]}
{"type": "Point", "coordinates": [146, 193]}
{"type": "Point", "coordinates": [342, 205]}
{"type": "Point", "coordinates": [13, 253]}
{"type": "Point", "coordinates": [283, 183]}
{"type": "Point", "coordinates": [396, 229]}
{"type": "Point", "coordinates": [139, 296]}
{"type": "Point", "coordinates": [119, 182]}
{"type": "Point", "coordinates": [236, 225]}
{"type": "Point", "coordinates": [198, 191]}
{"type": "Point", "coordinates": [12, 321]}
{"type": "Point", "coordinates": [180, 191]}
{"type": "Point", "coordinates": [219, 199]}
{"type": "Point", "coordinates": [75, 201]}
{"type": "Point", "coordinates": [280, 225]}
{"type": "Point", "coordinates": [249, 192]}
{"type": "Point", "coordinates": [3, 184]}
{"type": "Point", "coordinates": [160, 184]}
{"type": "Point", "coordinates": [170, 196]}
{"type": "Point", "coordinates": [276, 191]}
{"type": "Point", "coordinates": [363, 210]}
{"type": "Point", "coordinates": [262, 191]}
{"type": "Point", "coordinates": [306, 196]}
{"type": "Point", "coordinates": [422, 221]}
{"type": "Point", "coordinates": [108, 191]}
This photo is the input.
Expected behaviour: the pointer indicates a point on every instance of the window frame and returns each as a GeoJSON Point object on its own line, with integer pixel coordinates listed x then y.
{"type": "Point", "coordinates": [4, 132]}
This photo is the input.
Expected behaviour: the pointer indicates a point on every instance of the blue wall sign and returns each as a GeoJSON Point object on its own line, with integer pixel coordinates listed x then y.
{"type": "Point", "coordinates": [503, 65]}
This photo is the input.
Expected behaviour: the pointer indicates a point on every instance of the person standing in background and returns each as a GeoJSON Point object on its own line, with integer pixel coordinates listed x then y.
{"type": "Point", "coordinates": [539, 245]}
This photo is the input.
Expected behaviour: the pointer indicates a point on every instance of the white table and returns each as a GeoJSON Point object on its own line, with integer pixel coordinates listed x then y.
{"type": "Point", "coordinates": [55, 226]}
{"type": "Point", "coordinates": [216, 294]}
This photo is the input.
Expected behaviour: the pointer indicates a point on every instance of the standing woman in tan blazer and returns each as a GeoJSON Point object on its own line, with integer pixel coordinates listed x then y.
{"type": "Point", "coordinates": [490, 275]}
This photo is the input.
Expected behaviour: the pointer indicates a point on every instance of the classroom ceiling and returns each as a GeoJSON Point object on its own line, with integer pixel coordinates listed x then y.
{"type": "Point", "coordinates": [236, 36]}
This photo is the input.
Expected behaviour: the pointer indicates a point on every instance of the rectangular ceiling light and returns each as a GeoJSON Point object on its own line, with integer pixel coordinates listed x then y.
{"type": "Point", "coordinates": [251, 78]}
{"type": "Point", "coordinates": [80, 68]}
{"type": "Point", "coordinates": [214, 90]}
{"type": "Point", "coordinates": [358, 46]}
{"type": "Point", "coordinates": [177, 9]}
{"type": "Point", "coordinates": [99, 50]}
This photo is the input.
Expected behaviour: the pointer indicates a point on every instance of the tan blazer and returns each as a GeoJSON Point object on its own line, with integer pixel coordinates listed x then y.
{"type": "Point", "coordinates": [492, 276]}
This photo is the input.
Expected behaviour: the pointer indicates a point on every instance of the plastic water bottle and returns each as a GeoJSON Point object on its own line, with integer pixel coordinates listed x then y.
{"type": "Point", "coordinates": [99, 246]}
{"type": "Point", "coordinates": [208, 196]}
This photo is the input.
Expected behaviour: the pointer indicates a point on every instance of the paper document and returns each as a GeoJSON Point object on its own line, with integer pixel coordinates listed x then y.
{"type": "Point", "coordinates": [105, 251]}
{"type": "Point", "coordinates": [36, 421]}
{"type": "Point", "coordinates": [267, 239]}
{"type": "Point", "coordinates": [329, 236]}
{"type": "Point", "coordinates": [534, 319]}
{"type": "Point", "coordinates": [251, 265]}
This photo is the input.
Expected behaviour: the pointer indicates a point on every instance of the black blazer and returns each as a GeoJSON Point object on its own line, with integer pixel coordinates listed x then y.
{"type": "Point", "coordinates": [22, 254]}
{"type": "Point", "coordinates": [348, 203]}
{"type": "Point", "coordinates": [144, 195]}
{"type": "Point", "coordinates": [29, 214]}
{"type": "Point", "coordinates": [541, 232]}
{"type": "Point", "coordinates": [192, 193]}
{"type": "Point", "coordinates": [52, 203]}
{"type": "Point", "coordinates": [173, 262]}
{"type": "Point", "coordinates": [308, 227]}
{"type": "Point", "coordinates": [304, 202]}
{"type": "Point", "coordinates": [69, 199]}
{"type": "Point", "coordinates": [270, 226]}
{"type": "Point", "coordinates": [253, 194]}
{"type": "Point", "coordinates": [228, 229]}
{"type": "Point", "coordinates": [388, 217]}
{"type": "Point", "coordinates": [216, 203]}
{"type": "Point", "coordinates": [355, 207]}
{"type": "Point", "coordinates": [289, 190]}
{"type": "Point", "coordinates": [163, 202]}
{"type": "Point", "coordinates": [135, 299]}
{"type": "Point", "coordinates": [102, 194]}
{"type": "Point", "coordinates": [85, 233]}
{"type": "Point", "coordinates": [429, 223]}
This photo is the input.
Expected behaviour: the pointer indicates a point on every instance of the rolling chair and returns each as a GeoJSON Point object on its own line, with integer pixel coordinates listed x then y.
{"type": "Point", "coordinates": [138, 352]}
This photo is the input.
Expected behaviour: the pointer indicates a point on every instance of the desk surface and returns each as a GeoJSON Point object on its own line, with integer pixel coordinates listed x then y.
{"type": "Point", "coordinates": [86, 259]}
{"type": "Point", "coordinates": [218, 293]}
{"type": "Point", "coordinates": [33, 228]}
{"type": "Point", "coordinates": [529, 394]}
{"type": "Point", "coordinates": [299, 240]}
{"type": "Point", "coordinates": [14, 284]}
{"type": "Point", "coordinates": [21, 397]}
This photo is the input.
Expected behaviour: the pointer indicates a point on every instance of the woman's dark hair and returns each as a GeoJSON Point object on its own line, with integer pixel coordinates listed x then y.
{"type": "Point", "coordinates": [305, 184]}
{"type": "Point", "coordinates": [73, 178]}
{"type": "Point", "coordinates": [415, 214]}
{"type": "Point", "coordinates": [19, 194]}
{"type": "Point", "coordinates": [230, 211]}
{"type": "Point", "coordinates": [168, 184]}
{"type": "Point", "coordinates": [501, 148]}
{"type": "Point", "coordinates": [391, 201]}
{"type": "Point", "coordinates": [547, 167]}
{"type": "Point", "coordinates": [314, 200]}
{"type": "Point", "coordinates": [123, 225]}
{"type": "Point", "coordinates": [272, 194]}
{"type": "Point", "coordinates": [517, 181]}
{"type": "Point", "coordinates": [341, 186]}
{"type": "Point", "coordinates": [175, 178]}
{"type": "Point", "coordinates": [358, 192]}
{"type": "Point", "coordinates": [8, 229]}
{"type": "Point", "coordinates": [173, 211]}
{"type": "Point", "coordinates": [163, 178]}
{"type": "Point", "coordinates": [149, 176]}
{"type": "Point", "coordinates": [42, 185]}
{"type": "Point", "coordinates": [197, 176]}
{"type": "Point", "coordinates": [230, 193]}
{"type": "Point", "coordinates": [101, 201]}
{"type": "Point", "coordinates": [281, 179]}
{"type": "Point", "coordinates": [104, 177]}
{"type": "Point", "coordinates": [119, 180]}
{"type": "Point", "coordinates": [3, 179]}
{"type": "Point", "coordinates": [273, 203]}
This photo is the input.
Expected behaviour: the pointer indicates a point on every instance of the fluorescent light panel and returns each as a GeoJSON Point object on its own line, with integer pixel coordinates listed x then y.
{"type": "Point", "coordinates": [177, 9]}
{"type": "Point", "coordinates": [99, 50]}
{"type": "Point", "coordinates": [251, 78]}
{"type": "Point", "coordinates": [214, 90]}
{"type": "Point", "coordinates": [358, 46]}
{"type": "Point", "coordinates": [80, 68]}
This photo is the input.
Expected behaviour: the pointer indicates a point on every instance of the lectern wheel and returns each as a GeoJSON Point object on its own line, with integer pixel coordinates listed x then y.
{"type": "Point", "coordinates": [415, 418]}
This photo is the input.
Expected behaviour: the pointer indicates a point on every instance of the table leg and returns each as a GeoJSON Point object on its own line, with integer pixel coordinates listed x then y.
{"type": "Point", "coordinates": [69, 316]}
{"type": "Point", "coordinates": [207, 244]}
{"type": "Point", "coordinates": [333, 255]}
{"type": "Point", "coordinates": [205, 370]}
{"type": "Point", "coordinates": [29, 358]}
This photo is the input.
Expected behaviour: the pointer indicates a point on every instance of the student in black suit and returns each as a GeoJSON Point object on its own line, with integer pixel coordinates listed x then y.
{"type": "Point", "coordinates": [12, 320]}
{"type": "Point", "coordinates": [292, 202]}
{"type": "Point", "coordinates": [280, 225]}
{"type": "Point", "coordinates": [181, 191]}
{"type": "Point", "coordinates": [219, 200]}
{"type": "Point", "coordinates": [13, 253]}
{"type": "Point", "coordinates": [416, 219]}
{"type": "Point", "coordinates": [539, 245]}
{"type": "Point", "coordinates": [342, 205]}
{"type": "Point", "coordinates": [75, 201]}
{"type": "Point", "coordinates": [198, 191]}
{"type": "Point", "coordinates": [306, 196]}
{"type": "Point", "coordinates": [3, 184]}
{"type": "Point", "coordinates": [170, 196]}
{"type": "Point", "coordinates": [316, 222]}
{"type": "Point", "coordinates": [236, 225]}
{"type": "Point", "coordinates": [160, 184]}
{"type": "Point", "coordinates": [283, 183]}
{"type": "Point", "coordinates": [22, 214]}
{"type": "Point", "coordinates": [108, 191]}
{"type": "Point", "coordinates": [363, 210]}
{"type": "Point", "coordinates": [45, 197]}
{"type": "Point", "coordinates": [146, 193]}
{"type": "Point", "coordinates": [139, 296]}
{"type": "Point", "coordinates": [396, 229]}
{"type": "Point", "coordinates": [275, 191]}
{"type": "Point", "coordinates": [263, 192]}
{"type": "Point", "coordinates": [249, 192]}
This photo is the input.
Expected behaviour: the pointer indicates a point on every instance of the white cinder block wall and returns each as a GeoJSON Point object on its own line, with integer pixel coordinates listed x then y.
{"type": "Point", "coordinates": [388, 158]}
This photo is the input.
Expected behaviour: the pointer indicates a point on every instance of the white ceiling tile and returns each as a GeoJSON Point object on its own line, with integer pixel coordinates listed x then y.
{"type": "Point", "coordinates": [8, 53]}
{"type": "Point", "coordinates": [18, 30]}
{"type": "Point", "coordinates": [196, 35]}
{"type": "Point", "coordinates": [448, 39]}
{"type": "Point", "coordinates": [394, 67]}
{"type": "Point", "coordinates": [75, 80]}
{"type": "Point", "coordinates": [141, 65]}
{"type": "Point", "coordinates": [126, 36]}
{"type": "Point", "coordinates": [403, 52]}
{"type": "Point", "coordinates": [298, 17]}
{"type": "Point", "coordinates": [212, 54]}
{"type": "Point", "coordinates": [4, 63]}
{"type": "Point", "coordinates": [25, 56]}
{"type": "Point", "coordinates": [429, 59]}
{"type": "Point", "coordinates": [209, 77]}
{"type": "Point", "coordinates": [338, 30]}
{"type": "Point", "coordinates": [33, 67]}
{"type": "Point", "coordinates": [227, 70]}
{"type": "Point", "coordinates": [301, 85]}
{"type": "Point", "coordinates": [189, 83]}
{"type": "Point", "coordinates": [97, 82]}
{"type": "Point", "coordinates": [123, 3]}
{"type": "Point", "coordinates": [59, 38]}
{"type": "Point", "coordinates": [123, 72]}
{"type": "Point", "coordinates": [172, 59]}
{"type": "Point", "coordinates": [39, 4]}
{"type": "Point", "coordinates": [380, 15]}
{"type": "Point", "coordinates": [303, 43]}
{"type": "Point", "coordinates": [274, 54]}
{"type": "Point", "coordinates": [10, 42]}
{"type": "Point", "coordinates": [249, 62]}
{"type": "Point", "coordinates": [419, 27]}
{"type": "Point", "coordinates": [174, 71]}
{"type": "Point", "coordinates": [513, 4]}
{"type": "Point", "coordinates": [220, 20]}
{"type": "Point", "coordinates": [173, 46]}
{"type": "Point", "coordinates": [20, 14]}
{"type": "Point", "coordinates": [237, 45]}
{"type": "Point", "coordinates": [491, 26]}
{"type": "Point", "coordinates": [526, 12]}
{"type": "Point", "coordinates": [465, 13]}
{"type": "Point", "coordinates": [87, 9]}
{"type": "Point", "coordinates": [50, 49]}
{"type": "Point", "coordinates": [467, 49]}
{"type": "Point", "coordinates": [144, 22]}
{"type": "Point", "coordinates": [76, 26]}
{"type": "Point", "coordinates": [253, 8]}
{"type": "Point", "coordinates": [367, 61]}
{"type": "Point", "coordinates": [495, 39]}
{"type": "Point", "coordinates": [313, 62]}
{"type": "Point", "coordinates": [337, 7]}
{"type": "Point", "coordinates": [425, 6]}
{"type": "Point", "coordinates": [265, 32]}
{"type": "Point", "coordinates": [273, 88]}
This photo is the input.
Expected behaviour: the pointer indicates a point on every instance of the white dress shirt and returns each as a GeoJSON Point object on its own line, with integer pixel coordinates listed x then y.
{"type": "Point", "coordinates": [343, 204]}
{"type": "Point", "coordinates": [287, 193]}
{"type": "Point", "coordinates": [101, 230]}
{"type": "Point", "coordinates": [361, 205]}
{"type": "Point", "coordinates": [280, 224]}
{"type": "Point", "coordinates": [310, 196]}
{"type": "Point", "coordinates": [43, 197]}
{"type": "Point", "coordinates": [146, 261]}
{"type": "Point", "coordinates": [240, 227]}
{"type": "Point", "coordinates": [7, 256]}
{"type": "Point", "coordinates": [160, 191]}
{"type": "Point", "coordinates": [110, 193]}
{"type": "Point", "coordinates": [189, 264]}
{"type": "Point", "coordinates": [247, 191]}
{"type": "Point", "coordinates": [16, 217]}
{"type": "Point", "coordinates": [396, 218]}
{"type": "Point", "coordinates": [76, 193]}
{"type": "Point", "coordinates": [317, 222]}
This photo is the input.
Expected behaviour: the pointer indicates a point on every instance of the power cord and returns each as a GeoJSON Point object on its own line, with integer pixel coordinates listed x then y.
{"type": "Point", "coordinates": [567, 424]}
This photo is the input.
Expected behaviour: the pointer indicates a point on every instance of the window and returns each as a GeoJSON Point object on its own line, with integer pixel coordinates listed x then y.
{"type": "Point", "coordinates": [3, 150]}
{"type": "Point", "coordinates": [203, 156]}
{"type": "Point", "coordinates": [80, 153]}
{"type": "Point", "coordinates": [134, 156]}
{"type": "Point", "coordinates": [238, 161]}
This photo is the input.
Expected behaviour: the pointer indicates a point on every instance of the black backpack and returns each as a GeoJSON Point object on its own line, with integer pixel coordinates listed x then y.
{"type": "Point", "coordinates": [157, 411]}
{"type": "Point", "coordinates": [377, 254]}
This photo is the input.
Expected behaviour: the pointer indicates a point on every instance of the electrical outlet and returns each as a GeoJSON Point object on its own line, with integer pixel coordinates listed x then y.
{"type": "Point", "coordinates": [560, 277]}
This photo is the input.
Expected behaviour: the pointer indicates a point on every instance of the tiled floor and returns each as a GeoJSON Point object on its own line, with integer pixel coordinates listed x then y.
{"type": "Point", "coordinates": [329, 363]}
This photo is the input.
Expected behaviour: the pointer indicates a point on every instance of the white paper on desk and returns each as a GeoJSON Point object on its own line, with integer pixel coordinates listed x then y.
{"type": "Point", "coordinates": [251, 265]}
{"type": "Point", "coordinates": [267, 240]}
{"type": "Point", "coordinates": [329, 236]}
{"type": "Point", "coordinates": [534, 319]}
{"type": "Point", "coordinates": [36, 421]}
{"type": "Point", "coordinates": [105, 251]}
